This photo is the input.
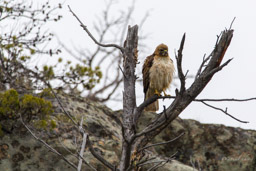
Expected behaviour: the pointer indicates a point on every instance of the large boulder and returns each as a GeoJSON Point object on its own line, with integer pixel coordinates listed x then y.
{"type": "Point", "coordinates": [19, 150]}
{"type": "Point", "coordinates": [210, 147]}
{"type": "Point", "coordinates": [204, 146]}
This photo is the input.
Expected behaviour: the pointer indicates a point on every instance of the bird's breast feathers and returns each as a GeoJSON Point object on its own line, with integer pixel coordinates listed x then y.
{"type": "Point", "coordinates": [161, 73]}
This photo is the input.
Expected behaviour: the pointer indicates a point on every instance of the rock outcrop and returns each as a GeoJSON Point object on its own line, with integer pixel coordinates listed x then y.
{"type": "Point", "coordinates": [204, 146]}
{"type": "Point", "coordinates": [210, 146]}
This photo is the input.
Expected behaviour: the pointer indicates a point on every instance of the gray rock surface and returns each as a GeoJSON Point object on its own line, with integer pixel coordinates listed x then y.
{"type": "Point", "coordinates": [204, 146]}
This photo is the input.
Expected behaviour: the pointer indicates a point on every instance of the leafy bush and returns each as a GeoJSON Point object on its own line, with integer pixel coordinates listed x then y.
{"type": "Point", "coordinates": [29, 107]}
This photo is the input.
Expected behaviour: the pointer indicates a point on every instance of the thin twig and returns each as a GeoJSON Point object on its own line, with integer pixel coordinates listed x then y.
{"type": "Point", "coordinates": [155, 166]}
{"type": "Point", "coordinates": [91, 36]}
{"type": "Point", "coordinates": [62, 107]}
{"type": "Point", "coordinates": [224, 111]}
{"type": "Point", "coordinates": [219, 68]}
{"type": "Point", "coordinates": [77, 156]}
{"type": "Point", "coordinates": [186, 74]}
{"type": "Point", "coordinates": [47, 145]}
{"type": "Point", "coordinates": [155, 97]}
{"type": "Point", "coordinates": [99, 157]}
{"type": "Point", "coordinates": [232, 23]}
{"type": "Point", "coordinates": [122, 71]}
{"type": "Point", "coordinates": [147, 130]}
{"type": "Point", "coordinates": [112, 92]}
{"type": "Point", "coordinates": [146, 160]}
{"type": "Point", "coordinates": [82, 147]}
{"type": "Point", "coordinates": [152, 162]}
{"type": "Point", "coordinates": [152, 99]}
{"type": "Point", "coordinates": [161, 143]}
{"type": "Point", "coordinates": [193, 163]}
{"type": "Point", "coordinates": [70, 152]}
{"type": "Point", "coordinates": [212, 100]}
{"type": "Point", "coordinates": [161, 164]}
{"type": "Point", "coordinates": [202, 65]}
{"type": "Point", "coordinates": [116, 81]}
{"type": "Point", "coordinates": [164, 162]}
{"type": "Point", "coordinates": [221, 100]}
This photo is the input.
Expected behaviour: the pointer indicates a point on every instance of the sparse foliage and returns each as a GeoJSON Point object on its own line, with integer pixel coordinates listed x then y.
{"type": "Point", "coordinates": [19, 46]}
{"type": "Point", "coordinates": [109, 60]}
{"type": "Point", "coordinates": [14, 105]}
{"type": "Point", "coordinates": [24, 40]}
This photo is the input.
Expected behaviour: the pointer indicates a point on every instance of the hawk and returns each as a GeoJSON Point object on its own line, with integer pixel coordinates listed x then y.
{"type": "Point", "coordinates": [158, 70]}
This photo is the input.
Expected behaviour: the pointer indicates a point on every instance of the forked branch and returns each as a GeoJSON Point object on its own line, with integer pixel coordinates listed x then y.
{"type": "Point", "coordinates": [224, 111]}
{"type": "Point", "coordinates": [92, 37]}
{"type": "Point", "coordinates": [188, 95]}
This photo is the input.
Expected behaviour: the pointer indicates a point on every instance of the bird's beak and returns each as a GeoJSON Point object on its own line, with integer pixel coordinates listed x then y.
{"type": "Point", "coordinates": [165, 53]}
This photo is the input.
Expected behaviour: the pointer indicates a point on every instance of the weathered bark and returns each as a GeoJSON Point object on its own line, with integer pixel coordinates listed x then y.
{"type": "Point", "coordinates": [133, 140]}
{"type": "Point", "coordinates": [129, 97]}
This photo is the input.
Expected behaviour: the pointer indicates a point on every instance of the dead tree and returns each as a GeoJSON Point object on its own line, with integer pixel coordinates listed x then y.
{"type": "Point", "coordinates": [133, 141]}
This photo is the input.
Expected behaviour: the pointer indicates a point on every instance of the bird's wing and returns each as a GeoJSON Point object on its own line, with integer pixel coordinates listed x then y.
{"type": "Point", "coordinates": [145, 71]}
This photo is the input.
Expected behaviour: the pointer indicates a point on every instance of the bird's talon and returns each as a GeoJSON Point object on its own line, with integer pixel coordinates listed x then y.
{"type": "Point", "coordinates": [157, 93]}
{"type": "Point", "coordinates": [167, 95]}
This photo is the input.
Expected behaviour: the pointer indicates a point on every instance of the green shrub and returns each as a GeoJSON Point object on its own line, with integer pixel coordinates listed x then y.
{"type": "Point", "coordinates": [30, 107]}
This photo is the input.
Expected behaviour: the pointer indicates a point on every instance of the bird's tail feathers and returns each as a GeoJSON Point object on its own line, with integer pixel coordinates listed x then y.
{"type": "Point", "coordinates": [153, 107]}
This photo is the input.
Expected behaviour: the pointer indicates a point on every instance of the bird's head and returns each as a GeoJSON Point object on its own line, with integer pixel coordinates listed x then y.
{"type": "Point", "coordinates": [161, 50]}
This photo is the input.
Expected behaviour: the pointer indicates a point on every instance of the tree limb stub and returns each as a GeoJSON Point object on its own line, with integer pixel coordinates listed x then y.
{"type": "Point", "coordinates": [179, 65]}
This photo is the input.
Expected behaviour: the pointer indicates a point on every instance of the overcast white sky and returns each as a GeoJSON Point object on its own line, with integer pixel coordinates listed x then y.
{"type": "Point", "coordinates": [202, 20]}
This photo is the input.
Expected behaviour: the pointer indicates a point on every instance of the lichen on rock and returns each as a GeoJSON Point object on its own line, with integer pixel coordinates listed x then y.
{"type": "Point", "coordinates": [206, 146]}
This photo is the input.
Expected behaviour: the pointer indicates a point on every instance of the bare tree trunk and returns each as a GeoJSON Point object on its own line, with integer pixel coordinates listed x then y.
{"type": "Point", "coordinates": [129, 97]}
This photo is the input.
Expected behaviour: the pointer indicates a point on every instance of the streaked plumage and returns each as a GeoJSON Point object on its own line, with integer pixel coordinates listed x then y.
{"type": "Point", "coordinates": [158, 70]}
